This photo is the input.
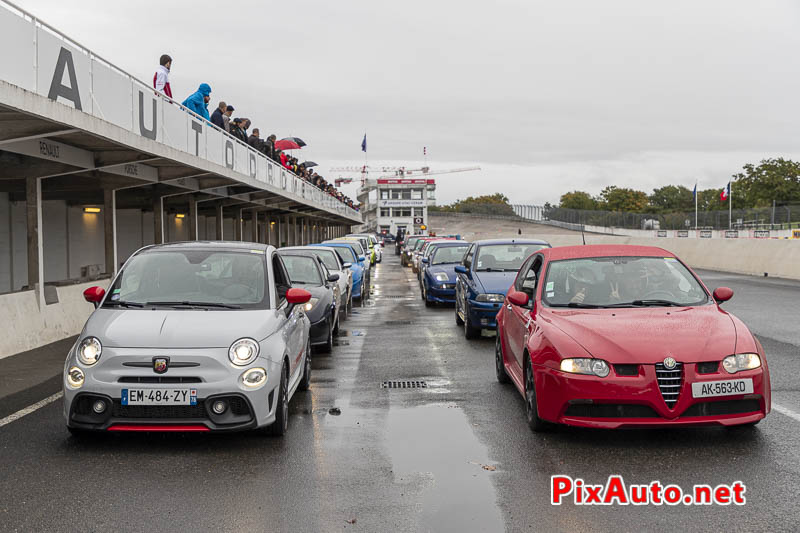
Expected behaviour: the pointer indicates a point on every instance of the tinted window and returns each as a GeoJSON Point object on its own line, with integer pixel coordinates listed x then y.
{"type": "Point", "coordinates": [209, 276]}
{"type": "Point", "coordinates": [345, 254]}
{"type": "Point", "coordinates": [448, 254]}
{"type": "Point", "coordinates": [329, 258]}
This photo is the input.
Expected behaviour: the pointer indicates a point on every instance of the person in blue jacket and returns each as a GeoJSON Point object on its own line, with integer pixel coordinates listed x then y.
{"type": "Point", "coordinates": [198, 101]}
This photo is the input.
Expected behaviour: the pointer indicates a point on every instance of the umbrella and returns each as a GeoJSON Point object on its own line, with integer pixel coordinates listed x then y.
{"type": "Point", "coordinates": [300, 142]}
{"type": "Point", "coordinates": [286, 144]}
{"type": "Point", "coordinates": [309, 164]}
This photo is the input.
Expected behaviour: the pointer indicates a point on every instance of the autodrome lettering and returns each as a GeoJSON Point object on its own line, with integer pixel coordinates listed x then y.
{"type": "Point", "coordinates": [616, 492]}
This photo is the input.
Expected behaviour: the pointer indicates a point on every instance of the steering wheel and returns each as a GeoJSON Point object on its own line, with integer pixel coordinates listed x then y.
{"type": "Point", "coordinates": [658, 294]}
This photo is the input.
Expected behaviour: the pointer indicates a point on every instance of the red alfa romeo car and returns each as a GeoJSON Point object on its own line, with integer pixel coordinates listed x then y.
{"type": "Point", "coordinates": [611, 336]}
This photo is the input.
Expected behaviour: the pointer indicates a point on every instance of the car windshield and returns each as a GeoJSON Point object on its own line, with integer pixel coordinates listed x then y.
{"type": "Point", "coordinates": [411, 241]}
{"type": "Point", "coordinates": [345, 253]}
{"type": "Point", "coordinates": [327, 257]}
{"type": "Point", "coordinates": [448, 254]}
{"type": "Point", "coordinates": [621, 282]}
{"type": "Point", "coordinates": [419, 244]}
{"type": "Point", "coordinates": [302, 269]}
{"type": "Point", "coordinates": [357, 246]}
{"type": "Point", "coordinates": [504, 257]}
{"type": "Point", "coordinates": [192, 278]}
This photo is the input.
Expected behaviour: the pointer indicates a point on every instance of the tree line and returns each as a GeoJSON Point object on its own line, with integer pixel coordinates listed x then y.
{"type": "Point", "coordinates": [755, 186]}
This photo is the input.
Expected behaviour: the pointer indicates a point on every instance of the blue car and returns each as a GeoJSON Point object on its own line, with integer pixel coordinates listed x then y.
{"type": "Point", "coordinates": [484, 276]}
{"type": "Point", "coordinates": [438, 283]}
{"type": "Point", "coordinates": [347, 253]}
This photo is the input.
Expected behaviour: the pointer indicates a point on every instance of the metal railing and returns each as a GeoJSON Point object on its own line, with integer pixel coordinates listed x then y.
{"type": "Point", "coordinates": [99, 67]}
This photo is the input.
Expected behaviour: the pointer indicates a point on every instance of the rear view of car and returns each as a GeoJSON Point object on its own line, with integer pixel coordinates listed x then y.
{"type": "Point", "coordinates": [190, 337]}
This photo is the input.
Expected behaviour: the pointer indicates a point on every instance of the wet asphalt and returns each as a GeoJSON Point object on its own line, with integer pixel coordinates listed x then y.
{"type": "Point", "coordinates": [453, 456]}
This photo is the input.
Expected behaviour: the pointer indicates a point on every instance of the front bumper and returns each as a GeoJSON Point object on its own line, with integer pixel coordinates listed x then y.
{"type": "Point", "coordinates": [318, 333]}
{"type": "Point", "coordinates": [442, 293]}
{"type": "Point", "coordinates": [484, 314]}
{"type": "Point", "coordinates": [213, 378]}
{"type": "Point", "coordinates": [636, 402]}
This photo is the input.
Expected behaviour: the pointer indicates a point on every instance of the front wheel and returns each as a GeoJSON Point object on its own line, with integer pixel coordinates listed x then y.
{"type": "Point", "coordinates": [499, 361]}
{"type": "Point", "coordinates": [328, 346]}
{"type": "Point", "coordinates": [531, 404]}
{"type": "Point", "coordinates": [281, 424]}
{"type": "Point", "coordinates": [305, 383]}
{"type": "Point", "coordinates": [336, 326]}
{"type": "Point", "coordinates": [470, 331]}
{"type": "Point", "coordinates": [459, 321]}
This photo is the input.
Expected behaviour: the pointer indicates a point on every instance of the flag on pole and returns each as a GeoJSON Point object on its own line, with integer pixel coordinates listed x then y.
{"type": "Point", "coordinates": [694, 192]}
{"type": "Point", "coordinates": [726, 192]}
{"type": "Point", "coordinates": [364, 143]}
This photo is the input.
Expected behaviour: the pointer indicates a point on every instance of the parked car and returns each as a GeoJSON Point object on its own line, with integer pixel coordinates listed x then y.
{"type": "Point", "coordinates": [426, 250]}
{"type": "Point", "coordinates": [366, 243]}
{"type": "Point", "coordinates": [372, 242]}
{"type": "Point", "coordinates": [363, 260]}
{"type": "Point", "coordinates": [348, 255]}
{"type": "Point", "coordinates": [484, 276]}
{"type": "Point", "coordinates": [408, 248]}
{"type": "Point", "coordinates": [417, 250]}
{"type": "Point", "coordinates": [309, 272]}
{"type": "Point", "coordinates": [335, 265]}
{"type": "Point", "coordinates": [438, 283]}
{"type": "Point", "coordinates": [612, 336]}
{"type": "Point", "coordinates": [201, 336]}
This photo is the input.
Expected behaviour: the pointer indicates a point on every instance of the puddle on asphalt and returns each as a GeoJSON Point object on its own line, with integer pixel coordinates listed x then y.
{"type": "Point", "coordinates": [434, 445]}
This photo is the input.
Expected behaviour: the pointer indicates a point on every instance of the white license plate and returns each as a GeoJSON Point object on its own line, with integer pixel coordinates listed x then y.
{"type": "Point", "coordinates": [159, 397]}
{"type": "Point", "coordinates": [728, 387]}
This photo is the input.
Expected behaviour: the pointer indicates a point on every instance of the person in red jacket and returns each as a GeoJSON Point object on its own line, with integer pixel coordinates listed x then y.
{"type": "Point", "coordinates": [161, 77]}
{"type": "Point", "coordinates": [283, 160]}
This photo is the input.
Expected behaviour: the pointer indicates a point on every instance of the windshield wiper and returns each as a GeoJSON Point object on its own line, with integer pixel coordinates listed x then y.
{"type": "Point", "coordinates": [578, 305]}
{"type": "Point", "coordinates": [122, 303]}
{"type": "Point", "coordinates": [490, 269]}
{"type": "Point", "coordinates": [658, 303]}
{"type": "Point", "coordinates": [197, 304]}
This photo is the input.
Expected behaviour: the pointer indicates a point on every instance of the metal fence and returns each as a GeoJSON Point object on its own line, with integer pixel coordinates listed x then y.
{"type": "Point", "coordinates": [778, 217]}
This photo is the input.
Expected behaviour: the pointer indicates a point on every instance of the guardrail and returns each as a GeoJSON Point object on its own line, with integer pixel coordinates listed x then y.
{"type": "Point", "coordinates": [51, 64]}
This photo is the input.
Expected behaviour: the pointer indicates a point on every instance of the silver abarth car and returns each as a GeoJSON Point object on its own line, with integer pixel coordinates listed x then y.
{"type": "Point", "coordinates": [199, 336]}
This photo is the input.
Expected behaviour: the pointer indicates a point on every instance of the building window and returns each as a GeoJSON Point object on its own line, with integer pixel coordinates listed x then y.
{"type": "Point", "coordinates": [417, 211]}
{"type": "Point", "coordinates": [431, 194]}
{"type": "Point", "coordinates": [401, 211]}
{"type": "Point", "coordinates": [385, 212]}
{"type": "Point", "coordinates": [396, 194]}
{"type": "Point", "coordinates": [416, 194]}
{"type": "Point", "coordinates": [384, 194]}
{"type": "Point", "coordinates": [406, 194]}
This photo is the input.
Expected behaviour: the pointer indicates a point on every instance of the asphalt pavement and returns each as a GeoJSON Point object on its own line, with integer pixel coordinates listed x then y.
{"type": "Point", "coordinates": [454, 455]}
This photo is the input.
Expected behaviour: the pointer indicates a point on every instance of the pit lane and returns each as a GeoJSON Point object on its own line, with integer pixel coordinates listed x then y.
{"type": "Point", "coordinates": [455, 455]}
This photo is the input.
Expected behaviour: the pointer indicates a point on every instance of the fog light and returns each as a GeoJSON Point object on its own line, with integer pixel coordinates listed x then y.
{"type": "Point", "coordinates": [219, 407]}
{"type": "Point", "coordinates": [255, 377]}
{"type": "Point", "coordinates": [99, 406]}
{"type": "Point", "coordinates": [75, 377]}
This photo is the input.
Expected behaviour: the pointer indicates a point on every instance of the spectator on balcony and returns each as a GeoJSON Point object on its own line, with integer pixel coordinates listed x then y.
{"type": "Point", "coordinates": [245, 126]}
{"type": "Point", "coordinates": [284, 160]}
{"type": "Point", "coordinates": [161, 77]}
{"type": "Point", "coordinates": [255, 139]}
{"type": "Point", "coordinates": [269, 146]}
{"type": "Point", "coordinates": [216, 116]}
{"type": "Point", "coordinates": [198, 101]}
{"type": "Point", "coordinates": [237, 131]}
{"type": "Point", "coordinates": [226, 117]}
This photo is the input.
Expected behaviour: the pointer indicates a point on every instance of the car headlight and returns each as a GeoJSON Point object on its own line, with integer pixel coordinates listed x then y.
{"type": "Point", "coordinates": [254, 377]}
{"type": "Point", "coordinates": [309, 305]}
{"type": "Point", "coordinates": [243, 352]}
{"type": "Point", "coordinates": [741, 361]}
{"type": "Point", "coordinates": [75, 377]}
{"type": "Point", "coordinates": [89, 350]}
{"type": "Point", "coordinates": [490, 298]}
{"type": "Point", "coordinates": [585, 365]}
{"type": "Point", "coordinates": [441, 277]}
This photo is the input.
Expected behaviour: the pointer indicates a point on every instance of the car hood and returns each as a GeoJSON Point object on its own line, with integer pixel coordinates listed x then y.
{"type": "Point", "coordinates": [495, 282]}
{"type": "Point", "coordinates": [647, 336]}
{"type": "Point", "coordinates": [179, 328]}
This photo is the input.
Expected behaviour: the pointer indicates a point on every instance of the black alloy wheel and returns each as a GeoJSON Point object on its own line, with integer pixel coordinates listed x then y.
{"type": "Point", "coordinates": [531, 405]}
{"type": "Point", "coordinates": [470, 331]}
{"type": "Point", "coordinates": [499, 364]}
{"type": "Point", "coordinates": [281, 424]}
{"type": "Point", "coordinates": [305, 383]}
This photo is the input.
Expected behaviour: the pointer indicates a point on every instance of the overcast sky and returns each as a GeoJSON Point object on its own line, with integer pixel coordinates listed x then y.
{"type": "Point", "coordinates": [545, 96]}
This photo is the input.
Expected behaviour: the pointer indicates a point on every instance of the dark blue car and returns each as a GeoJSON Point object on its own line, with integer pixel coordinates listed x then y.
{"type": "Point", "coordinates": [438, 274]}
{"type": "Point", "coordinates": [484, 276]}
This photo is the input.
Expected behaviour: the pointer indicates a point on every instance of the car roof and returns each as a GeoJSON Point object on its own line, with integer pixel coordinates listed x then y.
{"type": "Point", "coordinates": [451, 242]}
{"type": "Point", "coordinates": [208, 245]}
{"type": "Point", "coordinates": [605, 250]}
{"type": "Point", "coordinates": [511, 241]}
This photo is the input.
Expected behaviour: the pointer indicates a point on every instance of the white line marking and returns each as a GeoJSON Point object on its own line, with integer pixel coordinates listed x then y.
{"type": "Point", "coordinates": [31, 408]}
{"type": "Point", "coordinates": [786, 411]}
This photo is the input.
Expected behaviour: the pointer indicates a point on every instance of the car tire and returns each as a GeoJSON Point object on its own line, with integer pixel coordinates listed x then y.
{"type": "Point", "coordinates": [336, 326]}
{"type": "Point", "coordinates": [459, 322]}
{"type": "Point", "coordinates": [328, 346]}
{"type": "Point", "coordinates": [499, 361]}
{"type": "Point", "coordinates": [470, 331]}
{"type": "Point", "coordinates": [305, 383]}
{"type": "Point", "coordinates": [281, 424]}
{"type": "Point", "coordinates": [531, 403]}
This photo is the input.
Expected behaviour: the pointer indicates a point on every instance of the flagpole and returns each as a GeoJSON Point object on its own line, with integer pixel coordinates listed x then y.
{"type": "Point", "coordinates": [730, 204]}
{"type": "Point", "coordinates": [695, 205]}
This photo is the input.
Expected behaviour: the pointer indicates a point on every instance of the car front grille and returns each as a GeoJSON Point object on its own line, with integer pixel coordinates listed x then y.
{"type": "Point", "coordinates": [159, 411]}
{"type": "Point", "coordinates": [159, 379]}
{"type": "Point", "coordinates": [723, 407]}
{"type": "Point", "coordinates": [608, 410]}
{"type": "Point", "coordinates": [670, 382]}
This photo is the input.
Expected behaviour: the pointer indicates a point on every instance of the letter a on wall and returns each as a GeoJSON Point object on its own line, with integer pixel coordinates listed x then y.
{"type": "Point", "coordinates": [57, 87]}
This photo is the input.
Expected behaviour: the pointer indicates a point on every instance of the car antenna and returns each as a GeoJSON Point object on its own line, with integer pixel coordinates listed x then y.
{"type": "Point", "coordinates": [583, 236]}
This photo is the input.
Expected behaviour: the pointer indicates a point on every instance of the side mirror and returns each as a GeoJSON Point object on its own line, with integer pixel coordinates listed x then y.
{"type": "Point", "coordinates": [723, 294]}
{"type": "Point", "coordinates": [425, 260]}
{"type": "Point", "coordinates": [518, 298]}
{"type": "Point", "coordinates": [333, 277]}
{"type": "Point", "coordinates": [347, 265]}
{"type": "Point", "coordinates": [94, 295]}
{"type": "Point", "coordinates": [460, 269]}
{"type": "Point", "coordinates": [362, 258]}
{"type": "Point", "coordinates": [297, 296]}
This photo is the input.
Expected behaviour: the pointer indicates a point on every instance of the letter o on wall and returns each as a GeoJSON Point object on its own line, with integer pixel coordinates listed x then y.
{"type": "Point", "coordinates": [229, 154]}
{"type": "Point", "coordinates": [270, 173]}
{"type": "Point", "coordinates": [253, 166]}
